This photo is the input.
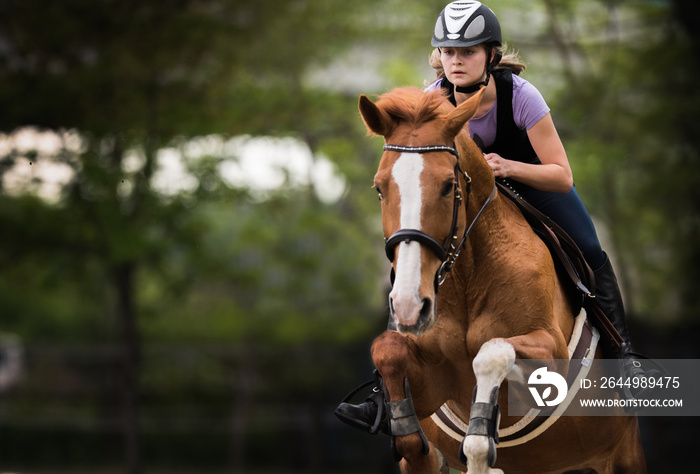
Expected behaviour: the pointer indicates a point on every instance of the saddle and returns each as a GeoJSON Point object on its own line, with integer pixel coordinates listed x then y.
{"type": "Point", "coordinates": [568, 259]}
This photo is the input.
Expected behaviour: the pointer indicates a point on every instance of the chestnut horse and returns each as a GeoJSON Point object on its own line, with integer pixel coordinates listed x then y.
{"type": "Point", "coordinates": [501, 300]}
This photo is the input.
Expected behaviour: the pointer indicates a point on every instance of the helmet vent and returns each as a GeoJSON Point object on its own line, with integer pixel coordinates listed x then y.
{"type": "Point", "coordinates": [475, 28]}
{"type": "Point", "coordinates": [459, 6]}
{"type": "Point", "coordinates": [439, 30]}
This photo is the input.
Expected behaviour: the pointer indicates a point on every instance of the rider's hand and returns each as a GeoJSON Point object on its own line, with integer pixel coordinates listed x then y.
{"type": "Point", "coordinates": [499, 165]}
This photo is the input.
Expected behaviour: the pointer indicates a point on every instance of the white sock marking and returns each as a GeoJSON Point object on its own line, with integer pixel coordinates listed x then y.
{"type": "Point", "coordinates": [491, 366]}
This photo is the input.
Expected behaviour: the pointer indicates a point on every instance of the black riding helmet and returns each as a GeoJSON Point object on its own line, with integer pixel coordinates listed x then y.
{"type": "Point", "coordinates": [467, 23]}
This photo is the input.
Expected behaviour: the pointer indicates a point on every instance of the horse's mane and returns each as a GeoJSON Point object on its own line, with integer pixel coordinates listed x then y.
{"type": "Point", "coordinates": [413, 106]}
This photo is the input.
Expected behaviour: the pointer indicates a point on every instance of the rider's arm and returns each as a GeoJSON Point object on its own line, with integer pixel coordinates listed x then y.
{"type": "Point", "coordinates": [554, 174]}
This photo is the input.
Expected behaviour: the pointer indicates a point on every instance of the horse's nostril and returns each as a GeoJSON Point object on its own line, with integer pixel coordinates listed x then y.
{"type": "Point", "coordinates": [392, 311]}
{"type": "Point", "coordinates": [427, 308]}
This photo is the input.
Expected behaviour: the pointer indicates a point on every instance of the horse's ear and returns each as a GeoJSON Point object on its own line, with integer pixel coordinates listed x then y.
{"type": "Point", "coordinates": [376, 120]}
{"type": "Point", "coordinates": [455, 120]}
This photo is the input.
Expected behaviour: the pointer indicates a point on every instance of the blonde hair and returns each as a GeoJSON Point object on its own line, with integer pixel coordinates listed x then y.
{"type": "Point", "coordinates": [509, 60]}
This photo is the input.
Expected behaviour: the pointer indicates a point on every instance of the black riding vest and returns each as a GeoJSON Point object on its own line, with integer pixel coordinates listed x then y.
{"type": "Point", "coordinates": [511, 142]}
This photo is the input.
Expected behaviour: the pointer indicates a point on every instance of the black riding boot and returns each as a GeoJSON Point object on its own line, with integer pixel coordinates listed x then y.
{"type": "Point", "coordinates": [609, 299]}
{"type": "Point", "coordinates": [369, 416]}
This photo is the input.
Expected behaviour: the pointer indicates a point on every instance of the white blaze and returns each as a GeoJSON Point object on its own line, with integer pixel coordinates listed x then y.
{"type": "Point", "coordinates": [407, 303]}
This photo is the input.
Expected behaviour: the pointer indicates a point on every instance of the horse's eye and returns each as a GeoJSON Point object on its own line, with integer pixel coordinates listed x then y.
{"type": "Point", "coordinates": [448, 188]}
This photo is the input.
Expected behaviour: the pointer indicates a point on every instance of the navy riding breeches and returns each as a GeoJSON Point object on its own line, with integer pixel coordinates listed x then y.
{"type": "Point", "coordinates": [568, 211]}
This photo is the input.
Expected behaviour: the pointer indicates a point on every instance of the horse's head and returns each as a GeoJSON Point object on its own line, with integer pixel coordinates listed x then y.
{"type": "Point", "coordinates": [420, 184]}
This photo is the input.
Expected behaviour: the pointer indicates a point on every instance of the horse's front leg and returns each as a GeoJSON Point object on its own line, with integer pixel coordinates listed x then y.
{"type": "Point", "coordinates": [491, 366]}
{"type": "Point", "coordinates": [397, 365]}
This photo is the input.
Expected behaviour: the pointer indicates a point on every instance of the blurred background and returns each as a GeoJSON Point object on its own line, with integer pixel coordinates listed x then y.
{"type": "Point", "coordinates": [191, 261]}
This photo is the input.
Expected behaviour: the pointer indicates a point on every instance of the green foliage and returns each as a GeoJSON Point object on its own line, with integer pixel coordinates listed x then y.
{"type": "Point", "coordinates": [290, 269]}
{"type": "Point", "coordinates": [134, 77]}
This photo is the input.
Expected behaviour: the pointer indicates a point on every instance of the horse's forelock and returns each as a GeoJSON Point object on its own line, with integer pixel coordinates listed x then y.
{"type": "Point", "coordinates": [413, 106]}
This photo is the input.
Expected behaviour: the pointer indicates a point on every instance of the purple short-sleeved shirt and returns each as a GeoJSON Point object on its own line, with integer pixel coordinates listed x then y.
{"type": "Point", "coordinates": [528, 108]}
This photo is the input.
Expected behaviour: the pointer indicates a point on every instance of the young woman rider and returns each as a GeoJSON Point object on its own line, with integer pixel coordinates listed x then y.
{"type": "Point", "coordinates": [514, 128]}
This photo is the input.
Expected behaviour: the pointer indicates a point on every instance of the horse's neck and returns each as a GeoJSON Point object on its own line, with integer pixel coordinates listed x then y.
{"type": "Point", "coordinates": [489, 219]}
{"type": "Point", "coordinates": [499, 228]}
{"type": "Point", "coordinates": [490, 247]}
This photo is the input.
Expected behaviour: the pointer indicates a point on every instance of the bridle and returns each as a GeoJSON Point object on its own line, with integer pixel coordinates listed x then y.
{"type": "Point", "coordinates": [449, 250]}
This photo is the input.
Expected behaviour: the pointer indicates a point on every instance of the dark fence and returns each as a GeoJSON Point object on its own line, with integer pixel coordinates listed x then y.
{"type": "Point", "coordinates": [243, 408]}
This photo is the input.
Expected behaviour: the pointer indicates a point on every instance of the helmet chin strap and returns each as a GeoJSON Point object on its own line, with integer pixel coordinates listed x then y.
{"type": "Point", "coordinates": [474, 87]}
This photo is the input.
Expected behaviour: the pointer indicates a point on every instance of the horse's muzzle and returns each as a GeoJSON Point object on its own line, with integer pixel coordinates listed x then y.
{"type": "Point", "coordinates": [416, 317]}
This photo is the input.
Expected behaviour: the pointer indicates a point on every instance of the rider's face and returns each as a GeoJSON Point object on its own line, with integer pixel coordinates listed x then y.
{"type": "Point", "coordinates": [464, 66]}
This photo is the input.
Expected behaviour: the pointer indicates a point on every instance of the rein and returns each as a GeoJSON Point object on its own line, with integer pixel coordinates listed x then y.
{"type": "Point", "coordinates": [449, 250]}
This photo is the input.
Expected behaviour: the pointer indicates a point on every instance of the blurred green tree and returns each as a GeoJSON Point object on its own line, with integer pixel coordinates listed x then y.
{"type": "Point", "coordinates": [629, 116]}
{"type": "Point", "coordinates": [123, 80]}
